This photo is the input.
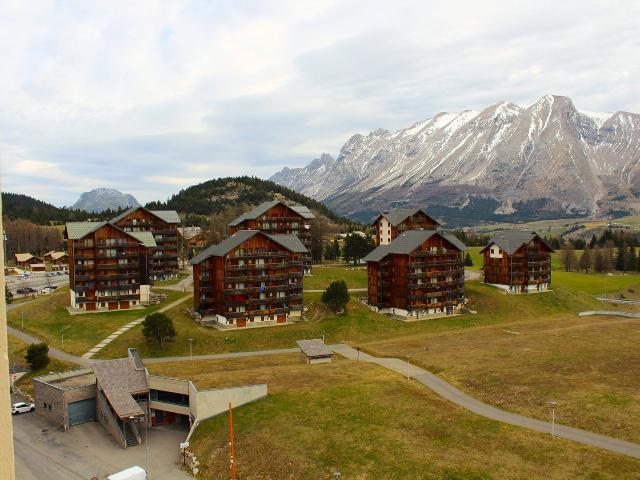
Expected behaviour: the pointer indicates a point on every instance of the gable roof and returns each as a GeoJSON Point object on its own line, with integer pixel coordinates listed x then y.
{"type": "Point", "coordinates": [408, 241]}
{"type": "Point", "coordinates": [511, 240]}
{"type": "Point", "coordinates": [169, 216]}
{"type": "Point", "coordinates": [290, 242]}
{"type": "Point", "coordinates": [119, 379]}
{"type": "Point", "coordinates": [78, 230]}
{"type": "Point", "coordinates": [23, 257]}
{"type": "Point", "coordinates": [396, 216]}
{"type": "Point", "coordinates": [57, 255]}
{"type": "Point", "coordinates": [261, 209]}
{"type": "Point", "coordinates": [314, 348]}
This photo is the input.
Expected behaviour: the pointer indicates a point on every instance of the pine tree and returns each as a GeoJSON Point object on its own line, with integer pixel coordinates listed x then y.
{"type": "Point", "coordinates": [336, 296]}
{"type": "Point", "coordinates": [620, 254]}
{"type": "Point", "coordinates": [593, 241]}
{"type": "Point", "coordinates": [336, 249]}
{"type": "Point", "coordinates": [599, 261]}
{"type": "Point", "coordinates": [633, 260]}
{"type": "Point", "coordinates": [468, 261]}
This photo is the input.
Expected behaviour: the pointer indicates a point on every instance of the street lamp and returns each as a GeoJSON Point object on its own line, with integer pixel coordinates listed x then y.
{"type": "Point", "coordinates": [553, 417]}
{"type": "Point", "coordinates": [408, 366]}
{"type": "Point", "coordinates": [190, 349]}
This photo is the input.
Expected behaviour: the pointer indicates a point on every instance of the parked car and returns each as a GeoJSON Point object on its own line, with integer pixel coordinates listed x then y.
{"type": "Point", "coordinates": [59, 273]}
{"type": "Point", "coordinates": [51, 274]}
{"type": "Point", "coordinates": [22, 407]}
{"type": "Point", "coordinates": [23, 291]}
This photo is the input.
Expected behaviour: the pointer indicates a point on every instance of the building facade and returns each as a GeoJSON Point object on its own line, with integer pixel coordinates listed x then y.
{"type": "Point", "coordinates": [163, 224]}
{"type": "Point", "coordinates": [517, 262]}
{"type": "Point", "coordinates": [391, 223]}
{"type": "Point", "coordinates": [250, 279]}
{"type": "Point", "coordinates": [279, 218]}
{"type": "Point", "coordinates": [107, 266]}
{"type": "Point", "coordinates": [419, 273]}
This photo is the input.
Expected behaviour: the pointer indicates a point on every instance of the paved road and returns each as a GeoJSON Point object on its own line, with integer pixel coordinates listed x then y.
{"type": "Point", "coordinates": [619, 300]}
{"type": "Point", "coordinates": [42, 451]}
{"type": "Point", "coordinates": [350, 290]}
{"type": "Point", "coordinates": [451, 393]}
{"type": "Point", "coordinates": [183, 285]}
{"type": "Point", "coordinates": [216, 356]}
{"type": "Point", "coordinates": [37, 280]}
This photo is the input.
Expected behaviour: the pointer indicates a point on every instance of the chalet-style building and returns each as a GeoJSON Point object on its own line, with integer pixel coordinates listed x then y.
{"type": "Point", "coordinates": [391, 223]}
{"type": "Point", "coordinates": [192, 237]}
{"type": "Point", "coordinates": [517, 262]}
{"type": "Point", "coordinates": [279, 218]}
{"type": "Point", "coordinates": [107, 266]}
{"type": "Point", "coordinates": [163, 224]}
{"type": "Point", "coordinates": [58, 260]}
{"type": "Point", "coordinates": [419, 273]}
{"type": "Point", "coordinates": [27, 261]}
{"type": "Point", "coordinates": [250, 279]}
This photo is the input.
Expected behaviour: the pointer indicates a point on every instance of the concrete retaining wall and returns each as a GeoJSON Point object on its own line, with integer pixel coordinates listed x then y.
{"type": "Point", "coordinates": [213, 402]}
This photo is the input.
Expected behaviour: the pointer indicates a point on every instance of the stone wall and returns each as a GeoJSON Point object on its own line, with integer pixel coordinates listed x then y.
{"type": "Point", "coordinates": [49, 402]}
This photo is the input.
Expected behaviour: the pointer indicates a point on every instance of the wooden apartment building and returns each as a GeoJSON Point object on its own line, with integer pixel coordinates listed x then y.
{"type": "Point", "coordinates": [107, 266]}
{"type": "Point", "coordinates": [391, 223]}
{"type": "Point", "coordinates": [421, 272]}
{"type": "Point", "coordinates": [250, 279]}
{"type": "Point", "coordinates": [163, 224]}
{"type": "Point", "coordinates": [279, 218]}
{"type": "Point", "coordinates": [518, 262]}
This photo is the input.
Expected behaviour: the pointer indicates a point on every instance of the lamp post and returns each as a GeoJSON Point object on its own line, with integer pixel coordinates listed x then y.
{"type": "Point", "coordinates": [408, 366]}
{"type": "Point", "coordinates": [190, 349]}
{"type": "Point", "coordinates": [553, 417]}
{"type": "Point", "coordinates": [4, 244]}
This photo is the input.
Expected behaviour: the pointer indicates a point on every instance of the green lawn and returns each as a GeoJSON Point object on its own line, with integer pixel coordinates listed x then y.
{"type": "Point", "coordinates": [476, 257]}
{"type": "Point", "coordinates": [595, 283]}
{"type": "Point", "coordinates": [47, 317]}
{"type": "Point", "coordinates": [369, 423]}
{"type": "Point", "coordinates": [17, 351]}
{"type": "Point", "coordinates": [321, 277]}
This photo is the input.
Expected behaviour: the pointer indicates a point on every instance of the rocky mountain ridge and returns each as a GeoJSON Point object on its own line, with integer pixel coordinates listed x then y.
{"type": "Point", "coordinates": [506, 162]}
{"type": "Point", "coordinates": [101, 199]}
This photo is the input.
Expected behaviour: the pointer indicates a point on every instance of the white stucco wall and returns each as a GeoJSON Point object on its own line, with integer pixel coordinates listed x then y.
{"type": "Point", "coordinates": [384, 229]}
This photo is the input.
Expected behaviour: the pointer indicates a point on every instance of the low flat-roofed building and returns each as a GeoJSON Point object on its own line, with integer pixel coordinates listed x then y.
{"type": "Point", "coordinates": [315, 351]}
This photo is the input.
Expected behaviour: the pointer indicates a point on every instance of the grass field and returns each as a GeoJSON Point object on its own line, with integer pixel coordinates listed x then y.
{"type": "Point", "coordinates": [321, 277]}
{"type": "Point", "coordinates": [47, 317]}
{"type": "Point", "coordinates": [476, 257]}
{"type": "Point", "coordinates": [17, 351]}
{"type": "Point", "coordinates": [369, 423]}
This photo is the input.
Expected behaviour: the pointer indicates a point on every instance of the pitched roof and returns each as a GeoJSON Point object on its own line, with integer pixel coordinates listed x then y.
{"type": "Point", "coordinates": [396, 216]}
{"type": "Point", "coordinates": [57, 255]}
{"type": "Point", "coordinates": [314, 348]}
{"type": "Point", "coordinates": [512, 240]}
{"type": "Point", "coordinates": [78, 230]}
{"type": "Point", "coordinates": [146, 238]}
{"type": "Point", "coordinates": [189, 232]}
{"type": "Point", "coordinates": [23, 257]}
{"type": "Point", "coordinates": [290, 242]}
{"type": "Point", "coordinates": [169, 216]}
{"type": "Point", "coordinates": [408, 241]}
{"type": "Point", "coordinates": [119, 379]}
{"type": "Point", "coordinates": [303, 211]}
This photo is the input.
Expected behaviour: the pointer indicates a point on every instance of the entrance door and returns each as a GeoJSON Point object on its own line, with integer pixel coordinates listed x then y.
{"type": "Point", "coordinates": [82, 412]}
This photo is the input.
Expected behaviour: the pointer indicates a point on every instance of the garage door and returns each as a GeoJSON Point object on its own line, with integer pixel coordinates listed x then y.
{"type": "Point", "coordinates": [82, 412]}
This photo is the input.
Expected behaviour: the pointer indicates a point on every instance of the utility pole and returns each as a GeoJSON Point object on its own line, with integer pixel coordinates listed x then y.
{"type": "Point", "coordinates": [408, 366]}
{"type": "Point", "coordinates": [553, 417]}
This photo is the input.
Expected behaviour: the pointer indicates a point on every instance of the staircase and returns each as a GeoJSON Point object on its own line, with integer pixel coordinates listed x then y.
{"type": "Point", "coordinates": [129, 435]}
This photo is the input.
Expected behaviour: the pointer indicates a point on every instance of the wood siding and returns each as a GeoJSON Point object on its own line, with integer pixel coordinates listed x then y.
{"type": "Point", "coordinates": [282, 220]}
{"type": "Point", "coordinates": [430, 277]}
{"type": "Point", "coordinates": [259, 275]}
{"type": "Point", "coordinates": [529, 265]}
{"type": "Point", "coordinates": [106, 266]}
{"type": "Point", "coordinates": [419, 221]}
{"type": "Point", "coordinates": [163, 260]}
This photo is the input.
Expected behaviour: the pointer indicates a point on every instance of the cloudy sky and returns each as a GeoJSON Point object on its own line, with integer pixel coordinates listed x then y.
{"type": "Point", "coordinates": [151, 97]}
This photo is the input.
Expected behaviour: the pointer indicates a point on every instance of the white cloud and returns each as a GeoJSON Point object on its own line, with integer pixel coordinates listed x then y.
{"type": "Point", "coordinates": [113, 94]}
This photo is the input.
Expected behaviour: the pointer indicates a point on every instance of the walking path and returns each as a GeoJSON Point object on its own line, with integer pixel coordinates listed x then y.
{"type": "Point", "coordinates": [216, 356]}
{"type": "Point", "coordinates": [609, 312]}
{"type": "Point", "coordinates": [54, 352]}
{"type": "Point", "coordinates": [451, 393]}
{"type": "Point", "coordinates": [618, 300]}
{"type": "Point", "coordinates": [128, 326]}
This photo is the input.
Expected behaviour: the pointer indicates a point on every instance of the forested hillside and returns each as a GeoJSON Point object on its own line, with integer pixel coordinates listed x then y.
{"type": "Point", "coordinates": [16, 205]}
{"type": "Point", "coordinates": [214, 196]}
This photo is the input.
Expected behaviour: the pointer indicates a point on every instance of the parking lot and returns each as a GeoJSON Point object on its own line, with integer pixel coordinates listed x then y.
{"type": "Point", "coordinates": [43, 451]}
{"type": "Point", "coordinates": [36, 280]}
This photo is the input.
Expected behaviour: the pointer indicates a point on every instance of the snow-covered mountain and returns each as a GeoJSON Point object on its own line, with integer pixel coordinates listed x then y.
{"type": "Point", "coordinates": [102, 199]}
{"type": "Point", "coordinates": [505, 162]}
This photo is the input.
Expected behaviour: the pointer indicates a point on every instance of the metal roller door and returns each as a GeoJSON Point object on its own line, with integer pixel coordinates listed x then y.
{"type": "Point", "coordinates": [82, 412]}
